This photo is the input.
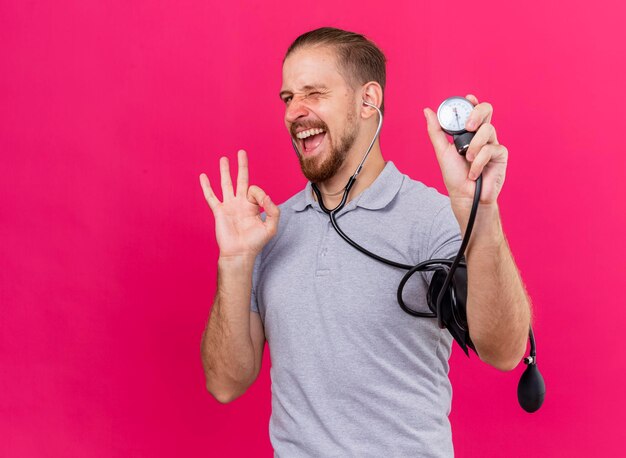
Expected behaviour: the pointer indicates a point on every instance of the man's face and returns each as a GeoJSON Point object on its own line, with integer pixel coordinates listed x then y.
{"type": "Point", "coordinates": [320, 111]}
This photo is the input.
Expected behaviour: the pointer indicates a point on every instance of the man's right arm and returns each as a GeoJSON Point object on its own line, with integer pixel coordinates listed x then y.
{"type": "Point", "coordinates": [233, 341]}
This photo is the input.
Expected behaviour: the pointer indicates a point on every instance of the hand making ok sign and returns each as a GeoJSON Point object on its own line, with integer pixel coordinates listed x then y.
{"type": "Point", "coordinates": [239, 229]}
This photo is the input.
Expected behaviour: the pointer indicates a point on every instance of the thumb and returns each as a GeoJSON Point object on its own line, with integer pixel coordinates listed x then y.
{"type": "Point", "coordinates": [437, 135]}
{"type": "Point", "coordinates": [272, 213]}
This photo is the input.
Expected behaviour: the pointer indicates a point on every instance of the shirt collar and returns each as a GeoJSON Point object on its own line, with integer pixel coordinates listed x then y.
{"type": "Point", "coordinates": [378, 195]}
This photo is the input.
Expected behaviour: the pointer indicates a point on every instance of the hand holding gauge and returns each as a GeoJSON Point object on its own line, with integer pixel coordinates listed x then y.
{"type": "Point", "coordinates": [456, 116]}
{"type": "Point", "coordinates": [474, 151]}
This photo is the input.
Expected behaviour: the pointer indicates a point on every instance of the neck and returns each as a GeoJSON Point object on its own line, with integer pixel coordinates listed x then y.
{"type": "Point", "coordinates": [332, 189]}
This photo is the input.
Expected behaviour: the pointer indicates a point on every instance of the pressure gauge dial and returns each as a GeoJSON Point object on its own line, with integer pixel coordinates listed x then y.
{"type": "Point", "coordinates": [452, 115]}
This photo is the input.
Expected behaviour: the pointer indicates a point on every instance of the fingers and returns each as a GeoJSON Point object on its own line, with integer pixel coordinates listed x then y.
{"type": "Point", "coordinates": [481, 113]}
{"type": "Point", "coordinates": [227, 184]}
{"type": "Point", "coordinates": [257, 196]}
{"type": "Point", "coordinates": [486, 134]}
{"type": "Point", "coordinates": [484, 146]}
{"type": "Point", "coordinates": [472, 98]}
{"type": "Point", "coordinates": [437, 135]}
{"type": "Point", "coordinates": [253, 194]}
{"type": "Point", "coordinates": [209, 195]}
{"type": "Point", "coordinates": [242, 174]}
{"type": "Point", "coordinates": [486, 154]}
{"type": "Point", "coordinates": [272, 214]}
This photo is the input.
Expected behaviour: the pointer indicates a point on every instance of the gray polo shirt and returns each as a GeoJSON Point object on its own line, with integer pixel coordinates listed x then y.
{"type": "Point", "coordinates": [352, 374]}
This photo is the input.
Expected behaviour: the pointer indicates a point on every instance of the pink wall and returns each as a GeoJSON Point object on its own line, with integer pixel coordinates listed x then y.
{"type": "Point", "coordinates": [111, 109]}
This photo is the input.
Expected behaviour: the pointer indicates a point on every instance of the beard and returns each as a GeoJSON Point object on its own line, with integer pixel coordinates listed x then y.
{"type": "Point", "coordinates": [318, 172]}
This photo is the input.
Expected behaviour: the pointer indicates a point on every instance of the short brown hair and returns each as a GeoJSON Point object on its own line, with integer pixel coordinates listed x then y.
{"type": "Point", "coordinates": [359, 59]}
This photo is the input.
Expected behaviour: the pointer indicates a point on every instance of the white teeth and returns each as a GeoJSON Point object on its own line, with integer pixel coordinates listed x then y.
{"type": "Point", "coordinates": [308, 133]}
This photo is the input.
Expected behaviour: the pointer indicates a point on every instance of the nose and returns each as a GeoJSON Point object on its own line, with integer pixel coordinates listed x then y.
{"type": "Point", "coordinates": [296, 109]}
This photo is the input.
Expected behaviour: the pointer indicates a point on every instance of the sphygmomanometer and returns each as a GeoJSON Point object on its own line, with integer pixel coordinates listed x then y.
{"type": "Point", "coordinates": [447, 291]}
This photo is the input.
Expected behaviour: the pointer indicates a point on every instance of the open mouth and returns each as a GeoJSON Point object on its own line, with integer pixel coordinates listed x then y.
{"type": "Point", "coordinates": [310, 140]}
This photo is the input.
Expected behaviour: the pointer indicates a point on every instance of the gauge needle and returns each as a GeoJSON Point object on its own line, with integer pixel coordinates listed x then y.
{"type": "Point", "coordinates": [457, 118]}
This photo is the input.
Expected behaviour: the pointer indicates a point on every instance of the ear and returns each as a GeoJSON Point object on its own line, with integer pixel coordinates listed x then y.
{"type": "Point", "coordinates": [372, 93]}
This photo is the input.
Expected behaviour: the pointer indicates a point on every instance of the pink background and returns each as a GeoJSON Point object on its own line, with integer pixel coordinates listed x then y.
{"type": "Point", "coordinates": [109, 112]}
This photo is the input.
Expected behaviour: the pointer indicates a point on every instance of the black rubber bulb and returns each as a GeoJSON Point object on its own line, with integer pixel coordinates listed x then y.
{"type": "Point", "coordinates": [531, 389]}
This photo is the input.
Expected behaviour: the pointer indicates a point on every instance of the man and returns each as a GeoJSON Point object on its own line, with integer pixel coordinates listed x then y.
{"type": "Point", "coordinates": [353, 375]}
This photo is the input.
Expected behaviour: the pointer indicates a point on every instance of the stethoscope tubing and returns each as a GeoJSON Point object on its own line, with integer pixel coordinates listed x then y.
{"type": "Point", "coordinates": [428, 265]}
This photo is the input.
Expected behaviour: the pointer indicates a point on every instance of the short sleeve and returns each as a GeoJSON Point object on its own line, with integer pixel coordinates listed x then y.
{"type": "Point", "coordinates": [254, 306]}
{"type": "Point", "coordinates": [445, 235]}
{"type": "Point", "coordinates": [444, 239]}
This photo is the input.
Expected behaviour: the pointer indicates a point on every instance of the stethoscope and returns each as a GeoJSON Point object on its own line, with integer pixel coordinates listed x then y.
{"type": "Point", "coordinates": [448, 304]}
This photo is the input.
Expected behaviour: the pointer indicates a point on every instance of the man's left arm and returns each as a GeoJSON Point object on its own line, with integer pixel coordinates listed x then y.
{"type": "Point", "coordinates": [498, 308]}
